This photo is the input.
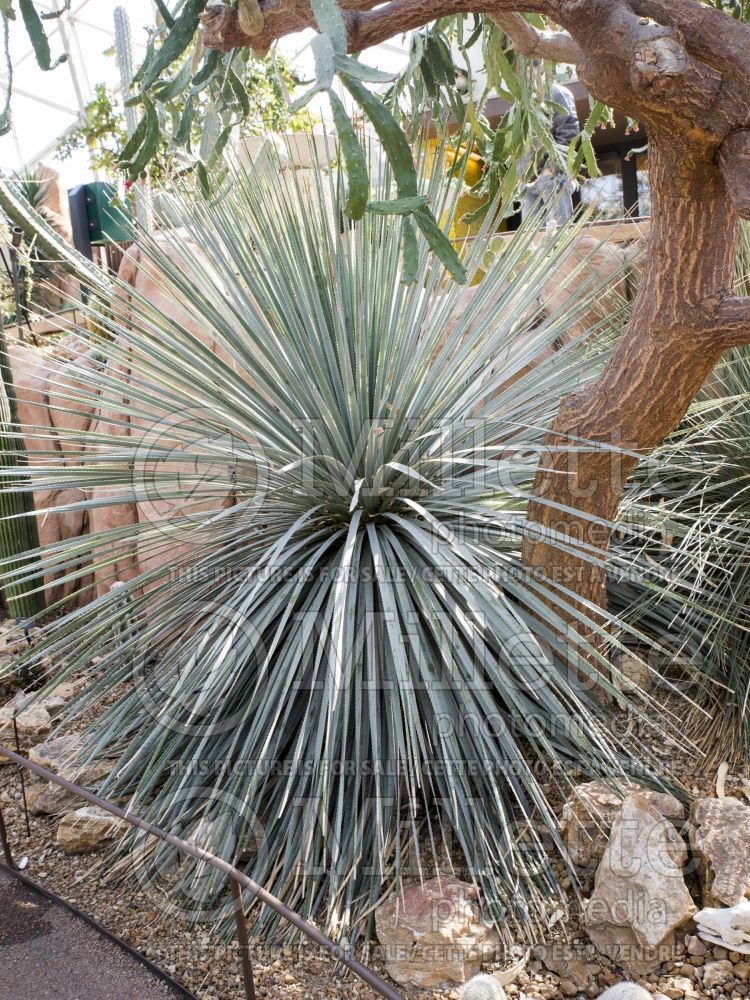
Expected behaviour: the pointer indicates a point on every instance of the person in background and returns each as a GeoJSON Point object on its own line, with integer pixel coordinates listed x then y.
{"type": "Point", "coordinates": [552, 187]}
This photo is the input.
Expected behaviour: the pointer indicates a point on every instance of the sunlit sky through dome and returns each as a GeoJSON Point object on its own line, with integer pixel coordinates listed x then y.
{"type": "Point", "coordinates": [47, 105]}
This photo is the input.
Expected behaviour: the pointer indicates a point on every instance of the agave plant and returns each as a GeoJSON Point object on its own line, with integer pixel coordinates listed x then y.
{"type": "Point", "coordinates": [38, 276]}
{"type": "Point", "coordinates": [330, 665]}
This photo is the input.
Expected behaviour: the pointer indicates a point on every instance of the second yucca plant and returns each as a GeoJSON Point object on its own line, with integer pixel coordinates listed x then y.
{"type": "Point", "coordinates": [692, 502]}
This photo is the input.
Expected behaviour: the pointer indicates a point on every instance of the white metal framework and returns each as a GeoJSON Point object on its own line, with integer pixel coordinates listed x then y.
{"type": "Point", "coordinates": [48, 105]}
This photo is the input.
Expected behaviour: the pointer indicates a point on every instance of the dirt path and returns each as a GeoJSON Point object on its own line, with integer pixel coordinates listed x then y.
{"type": "Point", "coordinates": [47, 953]}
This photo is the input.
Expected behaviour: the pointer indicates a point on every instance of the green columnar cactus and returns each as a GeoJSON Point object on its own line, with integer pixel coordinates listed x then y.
{"type": "Point", "coordinates": [124, 53]}
{"type": "Point", "coordinates": [18, 530]}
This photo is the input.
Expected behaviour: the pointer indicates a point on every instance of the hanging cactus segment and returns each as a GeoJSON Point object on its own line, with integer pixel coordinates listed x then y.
{"type": "Point", "coordinates": [401, 160]}
{"type": "Point", "coordinates": [331, 23]}
{"type": "Point", "coordinates": [38, 36]}
{"type": "Point", "coordinates": [180, 36]}
{"type": "Point", "coordinates": [399, 206]}
{"type": "Point", "coordinates": [389, 132]}
{"type": "Point", "coordinates": [409, 252]}
{"type": "Point", "coordinates": [440, 244]}
{"type": "Point", "coordinates": [354, 160]}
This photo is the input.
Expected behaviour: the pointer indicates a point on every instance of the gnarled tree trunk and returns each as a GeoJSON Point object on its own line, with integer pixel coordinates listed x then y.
{"type": "Point", "coordinates": [685, 314]}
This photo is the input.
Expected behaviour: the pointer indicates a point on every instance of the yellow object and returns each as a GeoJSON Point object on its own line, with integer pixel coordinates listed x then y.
{"type": "Point", "coordinates": [474, 169]}
{"type": "Point", "coordinates": [467, 203]}
{"type": "Point", "coordinates": [474, 164]}
{"type": "Point", "coordinates": [460, 230]}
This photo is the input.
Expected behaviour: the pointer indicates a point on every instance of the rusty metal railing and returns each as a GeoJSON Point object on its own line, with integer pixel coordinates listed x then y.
{"type": "Point", "coordinates": [237, 882]}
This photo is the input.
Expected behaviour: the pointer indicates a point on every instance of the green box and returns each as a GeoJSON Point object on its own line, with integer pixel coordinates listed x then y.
{"type": "Point", "coordinates": [110, 220]}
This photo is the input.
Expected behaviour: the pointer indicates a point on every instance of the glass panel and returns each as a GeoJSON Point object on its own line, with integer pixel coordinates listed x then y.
{"type": "Point", "coordinates": [644, 185]}
{"type": "Point", "coordinates": [605, 193]}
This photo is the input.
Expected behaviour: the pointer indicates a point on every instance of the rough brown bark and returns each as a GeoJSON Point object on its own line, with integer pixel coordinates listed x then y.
{"type": "Point", "coordinates": [683, 69]}
{"type": "Point", "coordinates": [365, 26]}
{"type": "Point", "coordinates": [685, 314]}
{"type": "Point", "coordinates": [674, 339]}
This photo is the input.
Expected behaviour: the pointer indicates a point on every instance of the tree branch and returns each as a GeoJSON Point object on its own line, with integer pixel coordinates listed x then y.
{"type": "Point", "coordinates": [529, 41]}
{"type": "Point", "coordinates": [656, 57]}
{"type": "Point", "coordinates": [734, 161]}
{"type": "Point", "coordinates": [730, 323]}
{"type": "Point", "coordinates": [631, 63]}
{"type": "Point", "coordinates": [365, 28]}
{"type": "Point", "coordinates": [717, 40]}
{"type": "Point", "coordinates": [222, 30]}
{"type": "Point", "coordinates": [633, 59]}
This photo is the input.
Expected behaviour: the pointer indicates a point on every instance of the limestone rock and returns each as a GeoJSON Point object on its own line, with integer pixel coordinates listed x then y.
{"type": "Point", "coordinates": [682, 986]}
{"type": "Point", "coordinates": [718, 973]}
{"type": "Point", "coordinates": [55, 705]}
{"type": "Point", "coordinates": [88, 828]}
{"type": "Point", "coordinates": [566, 960]}
{"type": "Point", "coordinates": [729, 927]}
{"type": "Point", "coordinates": [694, 945]}
{"type": "Point", "coordinates": [720, 838]}
{"type": "Point", "coordinates": [585, 258]}
{"type": "Point", "coordinates": [46, 798]}
{"type": "Point", "coordinates": [52, 201]}
{"type": "Point", "coordinates": [60, 755]}
{"type": "Point", "coordinates": [640, 897]}
{"type": "Point", "coordinates": [44, 382]}
{"type": "Point", "coordinates": [58, 701]}
{"type": "Point", "coordinates": [33, 790]}
{"type": "Point", "coordinates": [433, 934]}
{"type": "Point", "coordinates": [13, 638]}
{"type": "Point", "coordinates": [588, 815]}
{"type": "Point", "coordinates": [55, 754]}
{"type": "Point", "coordinates": [625, 991]}
{"type": "Point", "coordinates": [33, 723]}
{"type": "Point", "coordinates": [635, 673]}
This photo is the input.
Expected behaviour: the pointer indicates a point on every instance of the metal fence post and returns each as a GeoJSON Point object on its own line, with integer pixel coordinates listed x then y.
{"type": "Point", "coordinates": [6, 845]}
{"type": "Point", "coordinates": [239, 916]}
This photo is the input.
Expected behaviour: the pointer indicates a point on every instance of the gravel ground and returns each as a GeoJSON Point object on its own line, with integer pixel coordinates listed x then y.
{"type": "Point", "coordinates": [48, 953]}
{"type": "Point", "coordinates": [194, 956]}
{"type": "Point", "coordinates": [211, 970]}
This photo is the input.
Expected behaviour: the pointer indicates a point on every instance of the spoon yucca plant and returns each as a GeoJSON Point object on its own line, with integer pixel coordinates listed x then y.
{"type": "Point", "coordinates": [332, 667]}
